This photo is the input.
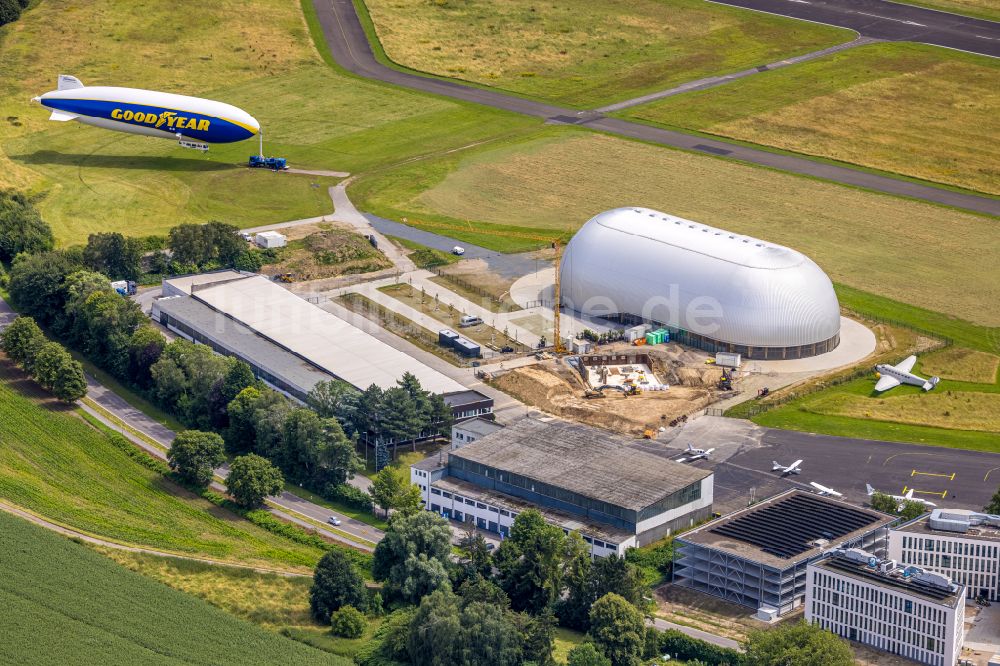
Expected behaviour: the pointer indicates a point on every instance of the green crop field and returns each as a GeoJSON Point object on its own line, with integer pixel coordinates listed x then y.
{"type": "Point", "coordinates": [555, 180]}
{"type": "Point", "coordinates": [917, 110]}
{"type": "Point", "coordinates": [54, 464]}
{"type": "Point", "coordinates": [65, 604]}
{"type": "Point", "coordinates": [261, 59]}
{"type": "Point", "coordinates": [584, 53]}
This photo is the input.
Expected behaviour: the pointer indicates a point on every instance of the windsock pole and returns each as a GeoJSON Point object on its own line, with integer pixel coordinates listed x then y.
{"type": "Point", "coordinates": [260, 135]}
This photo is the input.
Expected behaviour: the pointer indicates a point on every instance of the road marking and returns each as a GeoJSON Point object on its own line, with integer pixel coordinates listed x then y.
{"type": "Point", "coordinates": [943, 493]}
{"type": "Point", "coordinates": [801, 2]}
{"type": "Point", "coordinates": [950, 477]}
{"type": "Point", "coordinates": [888, 18]}
{"type": "Point", "coordinates": [990, 472]}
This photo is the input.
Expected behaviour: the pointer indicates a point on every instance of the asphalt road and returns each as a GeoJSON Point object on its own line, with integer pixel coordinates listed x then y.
{"type": "Point", "coordinates": [349, 47]}
{"type": "Point", "coordinates": [889, 21]}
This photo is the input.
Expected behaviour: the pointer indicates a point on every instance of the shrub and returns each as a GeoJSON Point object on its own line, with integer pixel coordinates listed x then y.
{"type": "Point", "coordinates": [348, 622]}
{"type": "Point", "coordinates": [348, 494]}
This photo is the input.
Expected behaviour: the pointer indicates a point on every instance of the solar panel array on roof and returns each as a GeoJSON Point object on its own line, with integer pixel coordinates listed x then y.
{"type": "Point", "coordinates": [788, 528]}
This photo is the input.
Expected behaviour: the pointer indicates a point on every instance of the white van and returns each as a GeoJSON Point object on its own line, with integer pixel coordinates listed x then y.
{"type": "Point", "coordinates": [469, 320]}
{"type": "Point", "coordinates": [458, 250]}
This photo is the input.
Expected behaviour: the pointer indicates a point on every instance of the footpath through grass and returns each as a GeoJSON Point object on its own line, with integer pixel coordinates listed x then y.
{"type": "Point", "coordinates": [585, 53]}
{"type": "Point", "coordinates": [56, 465]}
{"type": "Point", "coordinates": [63, 603]}
{"type": "Point", "coordinates": [260, 58]}
{"type": "Point", "coordinates": [560, 177]}
{"type": "Point", "coordinates": [918, 110]}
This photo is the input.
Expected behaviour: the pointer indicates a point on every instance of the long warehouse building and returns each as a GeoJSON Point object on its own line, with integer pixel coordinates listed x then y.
{"type": "Point", "coordinates": [712, 289]}
{"type": "Point", "coordinates": [291, 343]}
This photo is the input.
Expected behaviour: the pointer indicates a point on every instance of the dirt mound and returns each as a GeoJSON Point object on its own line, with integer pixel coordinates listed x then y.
{"type": "Point", "coordinates": [556, 389]}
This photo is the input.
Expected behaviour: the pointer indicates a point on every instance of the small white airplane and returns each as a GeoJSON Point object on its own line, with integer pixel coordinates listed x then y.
{"type": "Point", "coordinates": [787, 469]}
{"type": "Point", "coordinates": [697, 454]}
{"type": "Point", "coordinates": [823, 490]}
{"type": "Point", "coordinates": [891, 376]}
{"type": "Point", "coordinates": [908, 497]}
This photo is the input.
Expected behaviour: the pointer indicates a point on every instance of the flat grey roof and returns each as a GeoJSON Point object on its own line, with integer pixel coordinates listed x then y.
{"type": "Point", "coordinates": [922, 526]}
{"type": "Point", "coordinates": [565, 520]}
{"type": "Point", "coordinates": [243, 341]}
{"type": "Point", "coordinates": [863, 573]}
{"type": "Point", "coordinates": [479, 426]}
{"type": "Point", "coordinates": [584, 460]}
{"type": "Point", "coordinates": [187, 283]}
{"type": "Point", "coordinates": [754, 533]}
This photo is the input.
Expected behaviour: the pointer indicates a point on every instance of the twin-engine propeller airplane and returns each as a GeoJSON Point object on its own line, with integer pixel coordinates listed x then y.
{"type": "Point", "coordinates": [696, 454]}
{"type": "Point", "coordinates": [786, 469]}
{"type": "Point", "coordinates": [891, 376]}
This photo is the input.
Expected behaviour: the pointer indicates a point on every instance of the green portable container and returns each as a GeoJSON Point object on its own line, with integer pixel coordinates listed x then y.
{"type": "Point", "coordinates": [650, 338]}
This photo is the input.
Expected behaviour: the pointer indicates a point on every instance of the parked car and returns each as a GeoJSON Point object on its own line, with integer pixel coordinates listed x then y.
{"type": "Point", "coordinates": [458, 250]}
{"type": "Point", "coordinates": [333, 520]}
{"type": "Point", "coordinates": [469, 320]}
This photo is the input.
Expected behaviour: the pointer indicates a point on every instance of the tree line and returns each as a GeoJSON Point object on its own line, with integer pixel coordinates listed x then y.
{"type": "Point", "coordinates": [47, 362]}
{"type": "Point", "coordinates": [10, 10]}
{"type": "Point", "coordinates": [502, 607]}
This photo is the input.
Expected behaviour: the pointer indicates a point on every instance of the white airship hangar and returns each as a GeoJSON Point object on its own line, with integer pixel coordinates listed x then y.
{"type": "Point", "coordinates": [712, 289]}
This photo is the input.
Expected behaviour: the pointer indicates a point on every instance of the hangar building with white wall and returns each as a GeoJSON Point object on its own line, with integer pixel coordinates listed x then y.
{"type": "Point", "coordinates": [713, 289]}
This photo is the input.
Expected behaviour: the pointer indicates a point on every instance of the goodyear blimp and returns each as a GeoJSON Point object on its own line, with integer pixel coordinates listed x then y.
{"type": "Point", "coordinates": [192, 121]}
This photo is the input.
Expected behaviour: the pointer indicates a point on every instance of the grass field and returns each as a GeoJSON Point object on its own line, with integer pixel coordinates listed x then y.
{"type": "Point", "coordinates": [269, 600]}
{"type": "Point", "coordinates": [586, 53]}
{"type": "Point", "coordinates": [913, 109]}
{"type": "Point", "coordinates": [959, 414]}
{"type": "Point", "coordinates": [63, 603]}
{"type": "Point", "coordinates": [261, 60]}
{"type": "Point", "coordinates": [56, 465]}
{"type": "Point", "coordinates": [962, 364]}
{"type": "Point", "coordinates": [560, 177]}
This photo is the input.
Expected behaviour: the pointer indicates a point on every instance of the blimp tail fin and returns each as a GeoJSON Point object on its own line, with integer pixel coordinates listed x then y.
{"type": "Point", "coordinates": [67, 82]}
{"type": "Point", "coordinates": [62, 116]}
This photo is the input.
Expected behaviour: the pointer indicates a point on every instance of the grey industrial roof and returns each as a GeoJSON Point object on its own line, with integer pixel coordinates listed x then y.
{"type": "Point", "coordinates": [242, 341]}
{"type": "Point", "coordinates": [859, 571]}
{"type": "Point", "coordinates": [565, 520]}
{"type": "Point", "coordinates": [794, 517]}
{"type": "Point", "coordinates": [326, 340]}
{"type": "Point", "coordinates": [922, 526]}
{"type": "Point", "coordinates": [480, 426]}
{"type": "Point", "coordinates": [584, 460]}
{"type": "Point", "coordinates": [187, 283]}
{"type": "Point", "coordinates": [466, 397]}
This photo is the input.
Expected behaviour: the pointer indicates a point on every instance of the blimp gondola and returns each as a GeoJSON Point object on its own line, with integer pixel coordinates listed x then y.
{"type": "Point", "coordinates": [191, 121]}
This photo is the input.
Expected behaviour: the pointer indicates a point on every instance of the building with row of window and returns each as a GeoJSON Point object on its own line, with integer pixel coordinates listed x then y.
{"type": "Point", "coordinates": [907, 611]}
{"type": "Point", "coordinates": [963, 545]}
{"type": "Point", "coordinates": [580, 478]}
{"type": "Point", "coordinates": [757, 556]}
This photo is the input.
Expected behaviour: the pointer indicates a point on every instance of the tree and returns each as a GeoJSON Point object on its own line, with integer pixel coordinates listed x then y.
{"type": "Point", "coordinates": [798, 644]}
{"type": "Point", "coordinates": [435, 632]}
{"type": "Point", "coordinates": [56, 371]}
{"type": "Point", "coordinates": [336, 584]}
{"type": "Point", "coordinates": [574, 608]}
{"type": "Point", "coordinates": [490, 636]}
{"type": "Point", "coordinates": [249, 261]}
{"type": "Point", "coordinates": [907, 509]}
{"type": "Point", "coordinates": [184, 378]}
{"type": "Point", "coordinates": [36, 282]}
{"type": "Point", "coordinates": [239, 377]}
{"type": "Point", "coordinates": [115, 255]}
{"type": "Point", "coordinates": [195, 455]}
{"type": "Point", "coordinates": [614, 574]}
{"type": "Point", "coordinates": [585, 654]}
{"type": "Point", "coordinates": [334, 399]}
{"type": "Point", "coordinates": [400, 419]}
{"type": "Point", "coordinates": [441, 415]}
{"type": "Point", "coordinates": [618, 630]}
{"type": "Point", "coordinates": [22, 341]}
{"type": "Point", "coordinates": [252, 478]}
{"type": "Point", "coordinates": [994, 506]}
{"type": "Point", "coordinates": [912, 509]}
{"type": "Point", "coordinates": [348, 622]}
{"type": "Point", "coordinates": [21, 227]}
{"type": "Point", "coordinates": [10, 11]}
{"type": "Point", "coordinates": [475, 559]}
{"type": "Point", "coordinates": [144, 349]}
{"type": "Point", "coordinates": [530, 562]}
{"type": "Point", "coordinates": [398, 555]}
{"type": "Point", "coordinates": [241, 435]}
{"type": "Point", "coordinates": [391, 489]}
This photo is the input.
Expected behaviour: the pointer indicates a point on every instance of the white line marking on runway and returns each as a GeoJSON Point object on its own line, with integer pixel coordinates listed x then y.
{"type": "Point", "coordinates": [887, 18]}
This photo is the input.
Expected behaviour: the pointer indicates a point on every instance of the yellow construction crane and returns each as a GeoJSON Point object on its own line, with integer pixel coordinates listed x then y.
{"type": "Point", "coordinates": [555, 243]}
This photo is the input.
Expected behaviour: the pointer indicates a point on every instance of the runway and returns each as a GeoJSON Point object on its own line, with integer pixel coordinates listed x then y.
{"type": "Point", "coordinates": [890, 21]}
{"type": "Point", "coordinates": [348, 44]}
